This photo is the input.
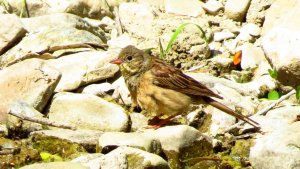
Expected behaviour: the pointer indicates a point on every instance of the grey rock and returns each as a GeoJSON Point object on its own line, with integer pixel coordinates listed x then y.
{"type": "Point", "coordinates": [83, 68]}
{"type": "Point", "coordinates": [88, 139]}
{"type": "Point", "coordinates": [14, 124]}
{"type": "Point", "coordinates": [179, 140]}
{"type": "Point", "coordinates": [278, 149]}
{"type": "Point", "coordinates": [136, 140]}
{"type": "Point", "coordinates": [11, 33]}
{"type": "Point", "coordinates": [236, 9]}
{"type": "Point", "coordinates": [87, 111]}
{"type": "Point", "coordinates": [56, 165]}
{"type": "Point", "coordinates": [38, 43]}
{"type": "Point", "coordinates": [31, 81]}
{"type": "Point", "coordinates": [128, 157]}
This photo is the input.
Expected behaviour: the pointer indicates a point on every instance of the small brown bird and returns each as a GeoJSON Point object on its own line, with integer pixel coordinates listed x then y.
{"type": "Point", "coordinates": [162, 89]}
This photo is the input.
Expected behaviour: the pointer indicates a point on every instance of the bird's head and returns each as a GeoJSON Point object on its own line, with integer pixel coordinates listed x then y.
{"type": "Point", "coordinates": [132, 61]}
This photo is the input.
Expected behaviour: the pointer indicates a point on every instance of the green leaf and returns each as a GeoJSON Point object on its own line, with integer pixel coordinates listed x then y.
{"type": "Point", "coordinates": [175, 35]}
{"type": "Point", "coordinates": [273, 95]}
{"type": "Point", "coordinates": [273, 73]}
{"type": "Point", "coordinates": [49, 157]}
{"type": "Point", "coordinates": [298, 92]}
{"type": "Point", "coordinates": [45, 156]}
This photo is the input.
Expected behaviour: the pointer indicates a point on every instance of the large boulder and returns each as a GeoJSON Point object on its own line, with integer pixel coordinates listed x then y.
{"type": "Point", "coordinates": [31, 81]}
{"type": "Point", "coordinates": [280, 40]}
{"type": "Point", "coordinates": [87, 111]}
{"type": "Point", "coordinates": [12, 32]}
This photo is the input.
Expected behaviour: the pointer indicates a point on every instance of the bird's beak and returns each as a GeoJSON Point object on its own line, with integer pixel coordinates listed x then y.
{"type": "Point", "coordinates": [117, 61]}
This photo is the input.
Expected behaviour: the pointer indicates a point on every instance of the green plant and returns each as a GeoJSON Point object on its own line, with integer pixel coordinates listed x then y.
{"type": "Point", "coordinates": [273, 73]}
{"type": "Point", "coordinates": [298, 92]}
{"type": "Point", "coordinates": [164, 52]}
{"type": "Point", "coordinates": [47, 157]}
{"type": "Point", "coordinates": [24, 6]}
{"type": "Point", "coordinates": [273, 95]}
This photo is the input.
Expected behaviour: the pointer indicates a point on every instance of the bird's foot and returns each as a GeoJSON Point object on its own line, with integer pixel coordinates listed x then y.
{"type": "Point", "coordinates": [157, 123]}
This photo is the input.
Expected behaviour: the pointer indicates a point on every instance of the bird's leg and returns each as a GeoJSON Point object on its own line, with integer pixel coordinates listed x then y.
{"type": "Point", "coordinates": [159, 122]}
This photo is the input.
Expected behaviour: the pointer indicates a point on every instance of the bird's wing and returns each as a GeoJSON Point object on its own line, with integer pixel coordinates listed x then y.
{"type": "Point", "coordinates": [170, 77]}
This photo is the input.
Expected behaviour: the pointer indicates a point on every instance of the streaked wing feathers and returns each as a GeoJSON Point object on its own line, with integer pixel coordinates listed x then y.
{"type": "Point", "coordinates": [172, 78]}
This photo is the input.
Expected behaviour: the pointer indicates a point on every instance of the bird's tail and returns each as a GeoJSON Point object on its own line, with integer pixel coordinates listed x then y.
{"type": "Point", "coordinates": [227, 110]}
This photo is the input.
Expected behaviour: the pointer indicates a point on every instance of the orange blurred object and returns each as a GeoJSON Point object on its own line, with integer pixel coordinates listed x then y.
{"type": "Point", "coordinates": [237, 58]}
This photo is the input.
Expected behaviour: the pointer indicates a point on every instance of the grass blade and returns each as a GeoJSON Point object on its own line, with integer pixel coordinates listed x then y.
{"type": "Point", "coordinates": [175, 35]}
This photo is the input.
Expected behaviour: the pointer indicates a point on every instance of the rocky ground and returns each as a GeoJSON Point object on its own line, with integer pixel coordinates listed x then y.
{"type": "Point", "coordinates": [55, 71]}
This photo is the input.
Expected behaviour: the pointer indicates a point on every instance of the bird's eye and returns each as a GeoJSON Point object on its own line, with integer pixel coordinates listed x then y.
{"type": "Point", "coordinates": [129, 57]}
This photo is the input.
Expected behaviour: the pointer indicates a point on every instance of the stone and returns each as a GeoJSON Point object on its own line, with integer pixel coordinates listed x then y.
{"type": "Point", "coordinates": [188, 7]}
{"type": "Point", "coordinates": [87, 111]}
{"type": "Point", "coordinates": [133, 17]}
{"type": "Point", "coordinates": [83, 8]}
{"type": "Point", "coordinates": [249, 32]}
{"type": "Point", "coordinates": [101, 89]}
{"type": "Point", "coordinates": [16, 126]}
{"type": "Point", "coordinates": [63, 139]}
{"type": "Point", "coordinates": [278, 149]}
{"type": "Point", "coordinates": [252, 56]}
{"type": "Point", "coordinates": [138, 121]}
{"type": "Point", "coordinates": [212, 7]}
{"type": "Point", "coordinates": [92, 161]}
{"type": "Point", "coordinates": [220, 36]}
{"type": "Point", "coordinates": [65, 20]}
{"type": "Point", "coordinates": [181, 142]}
{"type": "Point", "coordinates": [11, 33]}
{"type": "Point", "coordinates": [38, 43]}
{"type": "Point", "coordinates": [56, 165]}
{"type": "Point", "coordinates": [236, 9]}
{"type": "Point", "coordinates": [281, 116]}
{"type": "Point", "coordinates": [128, 157]}
{"type": "Point", "coordinates": [31, 81]}
{"type": "Point", "coordinates": [121, 92]}
{"type": "Point", "coordinates": [280, 40]}
{"type": "Point", "coordinates": [257, 11]}
{"type": "Point", "coordinates": [83, 68]}
{"type": "Point", "coordinates": [135, 140]}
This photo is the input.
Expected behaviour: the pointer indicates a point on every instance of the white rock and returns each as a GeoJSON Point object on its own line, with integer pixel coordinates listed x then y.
{"type": "Point", "coordinates": [248, 32]}
{"type": "Point", "coordinates": [236, 9]}
{"type": "Point", "coordinates": [98, 89]}
{"type": "Point", "coordinates": [122, 91]}
{"type": "Point", "coordinates": [252, 56]}
{"type": "Point", "coordinates": [279, 149]}
{"type": "Point", "coordinates": [87, 111]}
{"type": "Point", "coordinates": [11, 32]}
{"type": "Point", "coordinates": [83, 68]}
{"type": "Point", "coordinates": [212, 7]}
{"type": "Point", "coordinates": [280, 40]}
{"type": "Point", "coordinates": [220, 36]}
{"type": "Point", "coordinates": [56, 165]}
{"type": "Point", "coordinates": [187, 7]}
{"type": "Point", "coordinates": [136, 140]}
{"type": "Point", "coordinates": [118, 159]}
{"type": "Point", "coordinates": [31, 81]}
